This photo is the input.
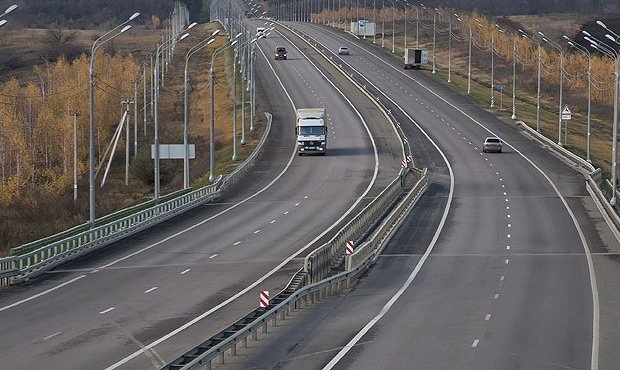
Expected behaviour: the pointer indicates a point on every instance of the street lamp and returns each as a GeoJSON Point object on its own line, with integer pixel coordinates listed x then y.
{"type": "Point", "coordinates": [160, 49]}
{"type": "Point", "coordinates": [559, 49]}
{"type": "Point", "coordinates": [612, 53]}
{"type": "Point", "coordinates": [523, 34]}
{"type": "Point", "coordinates": [589, 55]}
{"type": "Point", "coordinates": [199, 46]}
{"type": "Point", "coordinates": [91, 73]}
{"type": "Point", "coordinates": [434, 36]}
{"type": "Point", "coordinates": [212, 127]}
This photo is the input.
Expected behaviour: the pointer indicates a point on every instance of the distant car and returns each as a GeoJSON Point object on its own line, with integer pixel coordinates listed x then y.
{"type": "Point", "coordinates": [280, 53]}
{"type": "Point", "coordinates": [343, 50]}
{"type": "Point", "coordinates": [492, 144]}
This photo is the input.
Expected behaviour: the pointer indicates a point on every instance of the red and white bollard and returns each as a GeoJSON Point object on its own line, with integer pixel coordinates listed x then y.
{"type": "Point", "coordinates": [264, 299]}
{"type": "Point", "coordinates": [350, 247]}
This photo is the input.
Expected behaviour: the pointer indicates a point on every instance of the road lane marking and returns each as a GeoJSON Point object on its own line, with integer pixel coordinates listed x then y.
{"type": "Point", "coordinates": [185, 271]}
{"type": "Point", "coordinates": [508, 247]}
{"type": "Point", "coordinates": [237, 243]}
{"type": "Point", "coordinates": [52, 335]}
{"type": "Point", "coordinates": [42, 293]}
{"type": "Point", "coordinates": [213, 256]}
{"type": "Point", "coordinates": [150, 290]}
{"type": "Point", "coordinates": [294, 255]}
{"type": "Point", "coordinates": [487, 317]}
{"type": "Point", "coordinates": [506, 261]}
{"type": "Point", "coordinates": [272, 221]}
{"type": "Point", "coordinates": [107, 310]}
{"type": "Point", "coordinates": [496, 296]}
{"type": "Point", "coordinates": [296, 204]}
{"type": "Point", "coordinates": [475, 343]}
{"type": "Point", "coordinates": [257, 231]}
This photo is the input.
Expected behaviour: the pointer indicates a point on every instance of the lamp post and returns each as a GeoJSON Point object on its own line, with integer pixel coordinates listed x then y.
{"type": "Point", "coordinates": [612, 53]}
{"type": "Point", "coordinates": [434, 37]}
{"type": "Point", "coordinates": [194, 49]}
{"type": "Point", "coordinates": [449, 48]}
{"type": "Point", "coordinates": [523, 34]}
{"type": "Point", "coordinates": [160, 50]}
{"type": "Point", "coordinates": [91, 74]}
{"type": "Point", "coordinates": [589, 55]}
{"type": "Point", "coordinates": [383, 25]}
{"type": "Point", "coordinates": [616, 39]}
{"type": "Point", "coordinates": [559, 49]}
{"type": "Point", "coordinates": [393, 24]}
{"type": "Point", "coordinates": [212, 127]}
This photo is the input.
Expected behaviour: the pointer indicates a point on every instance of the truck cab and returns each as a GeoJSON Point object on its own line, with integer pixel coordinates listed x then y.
{"type": "Point", "coordinates": [280, 53]}
{"type": "Point", "coordinates": [311, 130]}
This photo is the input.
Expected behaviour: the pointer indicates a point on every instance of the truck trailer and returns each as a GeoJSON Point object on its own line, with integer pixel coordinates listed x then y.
{"type": "Point", "coordinates": [414, 58]}
{"type": "Point", "coordinates": [311, 131]}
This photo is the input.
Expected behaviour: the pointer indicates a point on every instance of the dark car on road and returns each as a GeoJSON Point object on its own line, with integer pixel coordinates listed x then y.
{"type": "Point", "coordinates": [280, 53]}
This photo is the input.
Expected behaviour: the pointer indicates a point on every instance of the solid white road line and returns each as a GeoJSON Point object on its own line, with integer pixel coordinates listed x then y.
{"type": "Point", "coordinates": [42, 293]}
{"type": "Point", "coordinates": [287, 260]}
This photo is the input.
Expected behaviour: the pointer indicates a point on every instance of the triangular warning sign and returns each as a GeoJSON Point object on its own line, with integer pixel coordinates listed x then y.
{"type": "Point", "coordinates": [566, 110]}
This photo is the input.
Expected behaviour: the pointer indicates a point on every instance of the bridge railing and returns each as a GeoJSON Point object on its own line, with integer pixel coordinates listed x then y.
{"type": "Point", "coordinates": [38, 257]}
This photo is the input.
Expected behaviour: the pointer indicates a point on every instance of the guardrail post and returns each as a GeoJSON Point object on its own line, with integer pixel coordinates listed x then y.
{"type": "Point", "coordinates": [265, 327]}
{"type": "Point", "coordinates": [233, 350]}
{"type": "Point", "coordinates": [245, 341]}
{"type": "Point", "coordinates": [283, 315]}
{"type": "Point", "coordinates": [275, 321]}
{"type": "Point", "coordinates": [255, 335]}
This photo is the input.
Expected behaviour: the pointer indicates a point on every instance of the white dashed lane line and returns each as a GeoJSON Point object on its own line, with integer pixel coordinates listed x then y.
{"type": "Point", "coordinates": [237, 243]}
{"type": "Point", "coordinates": [52, 335]}
{"type": "Point", "coordinates": [150, 290]}
{"type": "Point", "coordinates": [213, 256]}
{"type": "Point", "coordinates": [107, 310]}
{"type": "Point", "coordinates": [272, 221]}
{"type": "Point", "coordinates": [185, 271]}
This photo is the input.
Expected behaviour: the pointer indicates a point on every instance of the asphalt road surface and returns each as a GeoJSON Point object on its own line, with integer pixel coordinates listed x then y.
{"type": "Point", "coordinates": [490, 271]}
{"type": "Point", "coordinates": [145, 300]}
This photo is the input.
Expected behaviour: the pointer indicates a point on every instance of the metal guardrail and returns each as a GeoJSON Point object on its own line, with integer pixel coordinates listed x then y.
{"type": "Point", "coordinates": [320, 263]}
{"type": "Point", "coordinates": [375, 244]}
{"type": "Point", "coordinates": [293, 297]}
{"type": "Point", "coordinates": [600, 189]}
{"type": "Point", "coordinates": [17, 269]}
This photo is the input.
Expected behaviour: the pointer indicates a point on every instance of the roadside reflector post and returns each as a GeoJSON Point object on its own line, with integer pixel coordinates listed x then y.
{"type": "Point", "coordinates": [264, 299]}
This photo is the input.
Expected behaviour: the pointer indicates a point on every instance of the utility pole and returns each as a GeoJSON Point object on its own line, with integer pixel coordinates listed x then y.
{"type": "Point", "coordinates": [75, 114]}
{"type": "Point", "coordinates": [126, 103]}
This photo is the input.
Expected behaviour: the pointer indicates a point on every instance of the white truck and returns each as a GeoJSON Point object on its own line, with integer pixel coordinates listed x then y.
{"type": "Point", "coordinates": [311, 131]}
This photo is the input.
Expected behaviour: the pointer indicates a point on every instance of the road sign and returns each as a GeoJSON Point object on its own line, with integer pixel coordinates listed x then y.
{"type": "Point", "coordinates": [350, 247]}
{"type": "Point", "coordinates": [173, 151]}
{"type": "Point", "coordinates": [501, 87]}
{"type": "Point", "coordinates": [566, 113]}
{"type": "Point", "coordinates": [264, 299]}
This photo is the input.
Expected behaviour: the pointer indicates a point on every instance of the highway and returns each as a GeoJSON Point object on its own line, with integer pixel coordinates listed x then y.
{"type": "Point", "coordinates": [505, 263]}
{"type": "Point", "coordinates": [143, 301]}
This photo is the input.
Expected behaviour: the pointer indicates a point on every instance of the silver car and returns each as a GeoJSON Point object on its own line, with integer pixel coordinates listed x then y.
{"type": "Point", "coordinates": [343, 50]}
{"type": "Point", "coordinates": [492, 144]}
